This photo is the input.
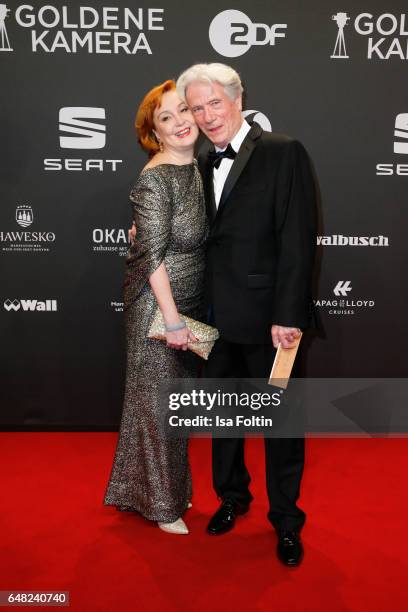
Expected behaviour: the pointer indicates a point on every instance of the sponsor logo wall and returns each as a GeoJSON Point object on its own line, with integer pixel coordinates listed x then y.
{"type": "Point", "coordinates": [69, 157]}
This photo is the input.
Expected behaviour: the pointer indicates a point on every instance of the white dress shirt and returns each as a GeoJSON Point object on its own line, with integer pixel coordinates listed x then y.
{"type": "Point", "coordinates": [220, 174]}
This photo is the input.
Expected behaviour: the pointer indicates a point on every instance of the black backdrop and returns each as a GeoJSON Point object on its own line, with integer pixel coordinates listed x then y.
{"type": "Point", "coordinates": [63, 223]}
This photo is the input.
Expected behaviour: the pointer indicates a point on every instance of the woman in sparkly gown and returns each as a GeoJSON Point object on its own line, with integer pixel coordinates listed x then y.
{"type": "Point", "coordinates": [165, 267]}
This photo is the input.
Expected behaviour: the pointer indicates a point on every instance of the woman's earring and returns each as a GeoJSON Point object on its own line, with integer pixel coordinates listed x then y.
{"type": "Point", "coordinates": [161, 146]}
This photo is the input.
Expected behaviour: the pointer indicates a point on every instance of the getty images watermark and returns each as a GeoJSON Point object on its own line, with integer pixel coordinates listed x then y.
{"type": "Point", "coordinates": [325, 407]}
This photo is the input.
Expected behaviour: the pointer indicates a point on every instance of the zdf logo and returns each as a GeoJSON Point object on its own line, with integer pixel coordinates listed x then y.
{"type": "Point", "coordinates": [89, 135]}
{"type": "Point", "coordinates": [232, 33]}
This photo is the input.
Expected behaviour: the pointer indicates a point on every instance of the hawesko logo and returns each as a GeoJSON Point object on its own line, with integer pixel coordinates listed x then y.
{"type": "Point", "coordinates": [400, 147]}
{"type": "Point", "coordinates": [260, 118]}
{"type": "Point", "coordinates": [5, 43]}
{"type": "Point", "coordinates": [232, 33]}
{"type": "Point", "coordinates": [30, 305]}
{"type": "Point", "coordinates": [90, 135]}
{"type": "Point", "coordinates": [342, 288]}
{"type": "Point", "coordinates": [384, 35]}
{"type": "Point", "coordinates": [401, 131]}
{"type": "Point", "coordinates": [340, 240]}
{"type": "Point", "coordinates": [24, 216]}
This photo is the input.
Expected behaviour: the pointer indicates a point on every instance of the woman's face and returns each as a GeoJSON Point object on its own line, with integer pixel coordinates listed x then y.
{"type": "Point", "coordinates": [174, 123]}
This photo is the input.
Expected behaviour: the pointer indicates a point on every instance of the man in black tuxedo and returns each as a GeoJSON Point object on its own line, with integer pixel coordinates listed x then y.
{"type": "Point", "coordinates": [261, 203]}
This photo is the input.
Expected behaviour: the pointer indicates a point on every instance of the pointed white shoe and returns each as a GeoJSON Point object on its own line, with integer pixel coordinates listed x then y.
{"type": "Point", "coordinates": [178, 527]}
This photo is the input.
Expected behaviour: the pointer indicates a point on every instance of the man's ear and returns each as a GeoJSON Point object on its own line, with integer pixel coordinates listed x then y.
{"type": "Point", "coordinates": [238, 102]}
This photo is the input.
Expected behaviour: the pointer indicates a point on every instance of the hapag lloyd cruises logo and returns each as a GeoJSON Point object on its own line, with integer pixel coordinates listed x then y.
{"type": "Point", "coordinates": [30, 305]}
{"type": "Point", "coordinates": [387, 35]}
{"type": "Point", "coordinates": [341, 304]}
{"type": "Point", "coordinates": [87, 135]}
{"type": "Point", "coordinates": [108, 240]}
{"type": "Point", "coordinates": [26, 241]}
{"type": "Point", "coordinates": [74, 29]}
{"type": "Point", "coordinates": [400, 147]}
{"type": "Point", "coordinates": [232, 33]}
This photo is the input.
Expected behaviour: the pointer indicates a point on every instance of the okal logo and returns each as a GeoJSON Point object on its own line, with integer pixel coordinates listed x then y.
{"type": "Point", "coordinates": [5, 43]}
{"type": "Point", "coordinates": [232, 33]}
{"type": "Point", "coordinates": [48, 305]}
{"type": "Point", "coordinates": [24, 215]}
{"type": "Point", "coordinates": [89, 135]}
{"type": "Point", "coordinates": [108, 240]}
{"type": "Point", "coordinates": [260, 118]}
{"type": "Point", "coordinates": [341, 304]}
{"type": "Point", "coordinates": [400, 146]}
{"type": "Point", "coordinates": [386, 35]}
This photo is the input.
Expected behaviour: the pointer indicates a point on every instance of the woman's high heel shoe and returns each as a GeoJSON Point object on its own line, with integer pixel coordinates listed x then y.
{"type": "Point", "coordinates": [178, 527]}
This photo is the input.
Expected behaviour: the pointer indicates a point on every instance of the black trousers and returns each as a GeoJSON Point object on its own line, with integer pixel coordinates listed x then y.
{"type": "Point", "coordinates": [284, 457]}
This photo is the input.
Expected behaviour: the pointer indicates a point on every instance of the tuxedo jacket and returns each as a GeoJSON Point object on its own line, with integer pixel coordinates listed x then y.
{"type": "Point", "coordinates": [262, 238]}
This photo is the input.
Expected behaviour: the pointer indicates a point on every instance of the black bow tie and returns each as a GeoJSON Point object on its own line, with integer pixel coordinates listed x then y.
{"type": "Point", "coordinates": [216, 157]}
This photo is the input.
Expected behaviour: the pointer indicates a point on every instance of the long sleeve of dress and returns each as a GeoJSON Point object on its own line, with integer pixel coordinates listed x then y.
{"type": "Point", "coordinates": [152, 214]}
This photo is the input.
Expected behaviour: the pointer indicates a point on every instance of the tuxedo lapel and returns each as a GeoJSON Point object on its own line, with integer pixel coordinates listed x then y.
{"type": "Point", "coordinates": [209, 190]}
{"type": "Point", "coordinates": [241, 160]}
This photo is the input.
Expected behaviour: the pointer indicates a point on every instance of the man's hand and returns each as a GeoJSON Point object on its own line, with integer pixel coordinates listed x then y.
{"type": "Point", "coordinates": [286, 336]}
{"type": "Point", "coordinates": [132, 234]}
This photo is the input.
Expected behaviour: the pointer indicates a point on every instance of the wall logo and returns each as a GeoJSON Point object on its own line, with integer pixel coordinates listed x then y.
{"type": "Point", "coordinates": [260, 118]}
{"type": "Point", "coordinates": [5, 43]}
{"type": "Point", "coordinates": [30, 305]}
{"type": "Point", "coordinates": [24, 215]}
{"type": "Point", "coordinates": [386, 35]}
{"type": "Point", "coordinates": [90, 135]}
{"type": "Point", "coordinates": [77, 29]}
{"type": "Point", "coordinates": [340, 240]}
{"type": "Point", "coordinates": [232, 33]}
{"type": "Point", "coordinates": [342, 288]}
{"type": "Point", "coordinates": [109, 240]}
{"type": "Point", "coordinates": [26, 241]}
{"type": "Point", "coordinates": [344, 305]}
{"type": "Point", "coordinates": [400, 147]}
{"type": "Point", "coordinates": [339, 51]}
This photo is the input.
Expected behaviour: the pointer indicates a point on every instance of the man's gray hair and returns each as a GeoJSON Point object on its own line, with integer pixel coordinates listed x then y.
{"type": "Point", "coordinates": [210, 73]}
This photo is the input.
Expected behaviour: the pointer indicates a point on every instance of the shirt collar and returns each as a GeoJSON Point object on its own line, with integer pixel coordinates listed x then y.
{"type": "Point", "coordinates": [239, 137]}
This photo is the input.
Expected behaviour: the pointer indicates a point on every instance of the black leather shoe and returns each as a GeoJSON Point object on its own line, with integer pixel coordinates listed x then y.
{"type": "Point", "coordinates": [224, 519]}
{"type": "Point", "coordinates": [290, 549]}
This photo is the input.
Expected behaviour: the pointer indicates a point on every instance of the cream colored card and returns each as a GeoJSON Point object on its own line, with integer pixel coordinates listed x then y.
{"type": "Point", "coordinates": [283, 364]}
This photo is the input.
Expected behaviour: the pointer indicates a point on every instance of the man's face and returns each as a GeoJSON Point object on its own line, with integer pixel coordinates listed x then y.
{"type": "Point", "coordinates": [217, 116]}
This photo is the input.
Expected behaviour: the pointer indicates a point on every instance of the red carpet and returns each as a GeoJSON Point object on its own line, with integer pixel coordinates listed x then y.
{"type": "Point", "coordinates": [56, 535]}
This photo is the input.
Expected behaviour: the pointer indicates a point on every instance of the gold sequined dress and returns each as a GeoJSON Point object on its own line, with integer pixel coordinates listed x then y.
{"type": "Point", "coordinates": [151, 473]}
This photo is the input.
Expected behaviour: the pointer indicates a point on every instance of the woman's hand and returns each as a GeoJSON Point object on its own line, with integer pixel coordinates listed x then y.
{"type": "Point", "coordinates": [179, 339]}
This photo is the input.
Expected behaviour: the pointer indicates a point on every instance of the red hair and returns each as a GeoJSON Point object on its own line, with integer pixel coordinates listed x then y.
{"type": "Point", "coordinates": [144, 117]}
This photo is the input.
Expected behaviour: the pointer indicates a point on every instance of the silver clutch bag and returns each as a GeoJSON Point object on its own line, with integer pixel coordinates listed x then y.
{"type": "Point", "coordinates": [206, 334]}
